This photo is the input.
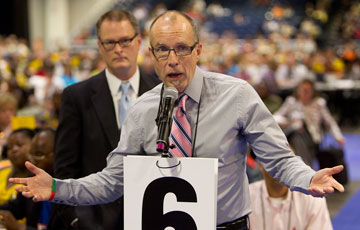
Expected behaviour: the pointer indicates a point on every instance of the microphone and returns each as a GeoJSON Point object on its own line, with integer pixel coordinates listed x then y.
{"type": "Point", "coordinates": [165, 119]}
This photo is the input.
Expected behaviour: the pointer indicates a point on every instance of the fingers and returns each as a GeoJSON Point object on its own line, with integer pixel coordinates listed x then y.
{"type": "Point", "coordinates": [341, 141]}
{"type": "Point", "coordinates": [337, 169]}
{"type": "Point", "coordinates": [37, 198]}
{"type": "Point", "coordinates": [32, 168]}
{"type": "Point", "coordinates": [328, 190]}
{"type": "Point", "coordinates": [338, 186]}
{"type": "Point", "coordinates": [18, 180]}
{"type": "Point", "coordinates": [22, 189]}
{"type": "Point", "coordinates": [319, 191]}
{"type": "Point", "coordinates": [27, 194]}
{"type": "Point", "coordinates": [316, 192]}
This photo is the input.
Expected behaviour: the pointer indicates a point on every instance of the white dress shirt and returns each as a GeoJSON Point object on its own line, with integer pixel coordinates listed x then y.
{"type": "Point", "coordinates": [114, 85]}
{"type": "Point", "coordinates": [296, 211]}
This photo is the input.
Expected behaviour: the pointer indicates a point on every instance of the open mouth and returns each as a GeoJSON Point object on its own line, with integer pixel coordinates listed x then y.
{"type": "Point", "coordinates": [174, 75]}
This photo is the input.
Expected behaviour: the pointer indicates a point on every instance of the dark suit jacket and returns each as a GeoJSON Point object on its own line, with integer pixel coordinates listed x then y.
{"type": "Point", "coordinates": [87, 132]}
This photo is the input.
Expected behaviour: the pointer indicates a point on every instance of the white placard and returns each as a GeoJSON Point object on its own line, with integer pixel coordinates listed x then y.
{"type": "Point", "coordinates": [165, 180]}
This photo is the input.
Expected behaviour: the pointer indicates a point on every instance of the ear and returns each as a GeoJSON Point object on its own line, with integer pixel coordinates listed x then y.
{"type": "Point", "coordinates": [99, 44]}
{"type": "Point", "coordinates": [198, 50]}
{"type": "Point", "coordinates": [139, 40]}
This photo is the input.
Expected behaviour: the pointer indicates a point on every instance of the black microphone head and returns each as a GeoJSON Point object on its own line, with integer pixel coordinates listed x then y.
{"type": "Point", "coordinates": [170, 92]}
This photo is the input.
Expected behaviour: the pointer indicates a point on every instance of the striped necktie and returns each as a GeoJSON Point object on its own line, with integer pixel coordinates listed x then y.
{"type": "Point", "coordinates": [124, 101]}
{"type": "Point", "coordinates": [181, 131]}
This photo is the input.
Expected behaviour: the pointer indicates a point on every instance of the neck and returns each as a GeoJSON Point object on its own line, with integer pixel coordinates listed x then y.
{"type": "Point", "coordinates": [123, 75]}
{"type": "Point", "coordinates": [275, 189]}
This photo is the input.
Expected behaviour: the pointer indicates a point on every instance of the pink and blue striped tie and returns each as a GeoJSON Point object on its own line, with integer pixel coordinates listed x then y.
{"type": "Point", "coordinates": [181, 131]}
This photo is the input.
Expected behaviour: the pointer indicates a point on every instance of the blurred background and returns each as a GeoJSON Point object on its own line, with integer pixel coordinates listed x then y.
{"type": "Point", "coordinates": [47, 45]}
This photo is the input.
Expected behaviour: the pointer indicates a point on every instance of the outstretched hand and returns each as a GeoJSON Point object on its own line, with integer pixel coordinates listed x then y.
{"type": "Point", "coordinates": [323, 183]}
{"type": "Point", "coordinates": [37, 187]}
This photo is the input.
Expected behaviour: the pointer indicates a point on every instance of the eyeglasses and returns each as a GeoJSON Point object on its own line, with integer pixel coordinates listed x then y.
{"type": "Point", "coordinates": [163, 52]}
{"type": "Point", "coordinates": [109, 45]}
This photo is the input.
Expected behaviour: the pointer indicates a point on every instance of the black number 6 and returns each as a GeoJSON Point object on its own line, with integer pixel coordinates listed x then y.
{"type": "Point", "coordinates": [152, 213]}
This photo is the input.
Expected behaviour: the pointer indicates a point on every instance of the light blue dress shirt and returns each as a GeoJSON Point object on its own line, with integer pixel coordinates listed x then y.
{"type": "Point", "coordinates": [231, 116]}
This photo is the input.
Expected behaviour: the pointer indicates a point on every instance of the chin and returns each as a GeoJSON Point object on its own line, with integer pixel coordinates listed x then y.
{"type": "Point", "coordinates": [121, 68]}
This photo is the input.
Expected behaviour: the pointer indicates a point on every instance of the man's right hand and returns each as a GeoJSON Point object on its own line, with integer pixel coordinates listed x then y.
{"type": "Point", "coordinates": [37, 187]}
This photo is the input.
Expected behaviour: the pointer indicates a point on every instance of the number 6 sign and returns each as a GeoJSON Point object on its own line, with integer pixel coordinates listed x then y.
{"type": "Point", "coordinates": [170, 193]}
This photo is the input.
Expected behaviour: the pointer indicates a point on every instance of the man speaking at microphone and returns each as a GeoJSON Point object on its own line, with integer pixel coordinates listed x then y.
{"type": "Point", "coordinates": [217, 116]}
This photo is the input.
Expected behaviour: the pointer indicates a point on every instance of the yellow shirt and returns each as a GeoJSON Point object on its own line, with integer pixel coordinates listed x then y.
{"type": "Point", "coordinates": [6, 194]}
{"type": "Point", "coordinates": [4, 164]}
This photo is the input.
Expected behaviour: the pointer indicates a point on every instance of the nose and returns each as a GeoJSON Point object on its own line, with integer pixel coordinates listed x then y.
{"type": "Point", "coordinates": [14, 148]}
{"type": "Point", "coordinates": [118, 48]}
{"type": "Point", "coordinates": [173, 60]}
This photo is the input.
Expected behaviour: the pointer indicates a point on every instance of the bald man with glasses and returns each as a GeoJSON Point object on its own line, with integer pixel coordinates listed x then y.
{"type": "Point", "coordinates": [91, 117]}
{"type": "Point", "coordinates": [222, 113]}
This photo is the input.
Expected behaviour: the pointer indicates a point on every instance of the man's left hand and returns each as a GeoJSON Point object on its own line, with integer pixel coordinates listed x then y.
{"type": "Point", "coordinates": [323, 183]}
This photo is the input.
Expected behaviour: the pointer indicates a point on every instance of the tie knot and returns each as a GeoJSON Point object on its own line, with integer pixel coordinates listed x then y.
{"type": "Point", "coordinates": [124, 87]}
{"type": "Point", "coordinates": [181, 100]}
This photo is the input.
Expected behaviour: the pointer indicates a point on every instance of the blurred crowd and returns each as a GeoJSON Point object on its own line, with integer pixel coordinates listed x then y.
{"type": "Point", "coordinates": [32, 78]}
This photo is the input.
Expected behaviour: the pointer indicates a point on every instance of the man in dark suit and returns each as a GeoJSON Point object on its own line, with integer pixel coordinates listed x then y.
{"type": "Point", "coordinates": [90, 118]}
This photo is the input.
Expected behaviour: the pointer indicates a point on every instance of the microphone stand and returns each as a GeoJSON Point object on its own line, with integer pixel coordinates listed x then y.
{"type": "Point", "coordinates": [164, 121]}
{"type": "Point", "coordinates": [162, 146]}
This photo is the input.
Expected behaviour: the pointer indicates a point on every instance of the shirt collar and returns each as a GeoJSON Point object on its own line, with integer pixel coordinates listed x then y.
{"type": "Point", "coordinates": [194, 88]}
{"type": "Point", "coordinates": [114, 82]}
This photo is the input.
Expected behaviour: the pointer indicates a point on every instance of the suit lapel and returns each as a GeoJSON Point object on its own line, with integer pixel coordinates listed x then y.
{"type": "Point", "coordinates": [143, 86]}
{"type": "Point", "coordinates": [104, 107]}
{"type": "Point", "coordinates": [147, 82]}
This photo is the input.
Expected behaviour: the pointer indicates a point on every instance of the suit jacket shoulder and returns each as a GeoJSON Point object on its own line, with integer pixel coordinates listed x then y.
{"type": "Point", "coordinates": [147, 82]}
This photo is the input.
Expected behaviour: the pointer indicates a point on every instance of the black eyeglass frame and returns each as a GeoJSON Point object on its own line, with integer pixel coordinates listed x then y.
{"type": "Point", "coordinates": [121, 42]}
{"type": "Point", "coordinates": [173, 49]}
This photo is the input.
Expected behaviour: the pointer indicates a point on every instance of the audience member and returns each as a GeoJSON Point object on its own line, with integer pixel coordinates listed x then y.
{"type": "Point", "coordinates": [92, 113]}
{"type": "Point", "coordinates": [40, 82]}
{"type": "Point", "coordinates": [18, 148]}
{"type": "Point", "coordinates": [66, 79]}
{"type": "Point", "coordinates": [37, 214]}
{"type": "Point", "coordinates": [302, 118]}
{"type": "Point", "coordinates": [272, 101]}
{"type": "Point", "coordinates": [8, 107]}
{"type": "Point", "coordinates": [291, 72]}
{"type": "Point", "coordinates": [274, 206]}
